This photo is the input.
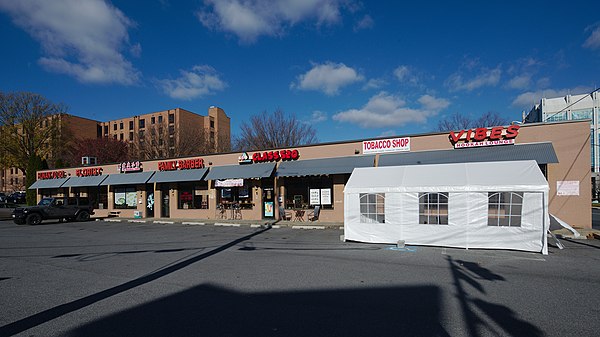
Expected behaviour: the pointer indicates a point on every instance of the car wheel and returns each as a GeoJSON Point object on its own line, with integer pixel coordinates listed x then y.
{"type": "Point", "coordinates": [83, 216]}
{"type": "Point", "coordinates": [33, 219]}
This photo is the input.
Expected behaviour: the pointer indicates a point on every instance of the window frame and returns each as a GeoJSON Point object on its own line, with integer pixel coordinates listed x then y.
{"type": "Point", "coordinates": [372, 207]}
{"type": "Point", "coordinates": [508, 218]}
{"type": "Point", "coordinates": [429, 208]}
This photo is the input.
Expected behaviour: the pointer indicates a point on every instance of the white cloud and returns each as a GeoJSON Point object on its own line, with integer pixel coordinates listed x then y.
{"type": "Point", "coordinates": [365, 23]}
{"type": "Point", "coordinates": [385, 109]}
{"type": "Point", "coordinates": [200, 81]}
{"type": "Point", "coordinates": [80, 38]}
{"type": "Point", "coordinates": [388, 133]}
{"type": "Point", "coordinates": [374, 83]}
{"type": "Point", "coordinates": [250, 19]}
{"type": "Point", "coordinates": [401, 73]}
{"type": "Point", "coordinates": [487, 77]}
{"type": "Point", "coordinates": [530, 98]}
{"type": "Point", "coordinates": [593, 41]}
{"type": "Point", "coordinates": [519, 82]}
{"type": "Point", "coordinates": [328, 78]}
{"type": "Point", "coordinates": [318, 116]}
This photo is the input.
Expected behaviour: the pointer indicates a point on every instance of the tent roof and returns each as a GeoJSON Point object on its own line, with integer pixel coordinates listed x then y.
{"type": "Point", "coordinates": [483, 176]}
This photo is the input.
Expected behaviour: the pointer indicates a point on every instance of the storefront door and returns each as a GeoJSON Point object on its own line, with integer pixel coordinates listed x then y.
{"type": "Point", "coordinates": [150, 202]}
{"type": "Point", "coordinates": [268, 202]}
{"type": "Point", "coordinates": [165, 203]}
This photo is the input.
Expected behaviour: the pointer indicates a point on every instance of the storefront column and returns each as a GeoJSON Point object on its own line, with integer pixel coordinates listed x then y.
{"type": "Point", "coordinates": [157, 202]}
{"type": "Point", "coordinates": [141, 202]}
{"type": "Point", "coordinates": [111, 205]}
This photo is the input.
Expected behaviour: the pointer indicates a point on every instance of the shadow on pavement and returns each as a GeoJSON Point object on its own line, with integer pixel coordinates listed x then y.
{"type": "Point", "coordinates": [208, 310]}
{"type": "Point", "coordinates": [478, 321]}
{"type": "Point", "coordinates": [63, 309]}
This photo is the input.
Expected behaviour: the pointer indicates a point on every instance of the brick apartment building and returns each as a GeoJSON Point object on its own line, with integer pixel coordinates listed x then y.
{"type": "Point", "coordinates": [162, 130]}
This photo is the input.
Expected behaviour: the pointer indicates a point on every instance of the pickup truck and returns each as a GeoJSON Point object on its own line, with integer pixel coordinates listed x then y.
{"type": "Point", "coordinates": [54, 208]}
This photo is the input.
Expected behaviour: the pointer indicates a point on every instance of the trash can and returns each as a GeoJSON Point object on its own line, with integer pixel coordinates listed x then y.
{"type": "Point", "coordinates": [137, 214]}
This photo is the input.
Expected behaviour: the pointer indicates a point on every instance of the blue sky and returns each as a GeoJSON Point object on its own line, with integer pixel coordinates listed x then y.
{"type": "Point", "coordinates": [354, 69]}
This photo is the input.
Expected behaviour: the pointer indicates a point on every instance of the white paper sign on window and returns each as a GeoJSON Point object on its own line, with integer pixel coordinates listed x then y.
{"type": "Point", "coordinates": [229, 183]}
{"type": "Point", "coordinates": [315, 196]}
{"type": "Point", "coordinates": [325, 196]}
{"type": "Point", "coordinates": [567, 187]}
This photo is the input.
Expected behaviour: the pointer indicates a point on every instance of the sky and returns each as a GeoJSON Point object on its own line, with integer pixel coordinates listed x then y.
{"type": "Point", "coordinates": [352, 69]}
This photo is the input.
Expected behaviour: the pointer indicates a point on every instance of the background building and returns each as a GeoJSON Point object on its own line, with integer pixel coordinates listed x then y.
{"type": "Point", "coordinates": [172, 133]}
{"type": "Point", "coordinates": [162, 134]}
{"type": "Point", "coordinates": [574, 107]}
{"type": "Point", "coordinates": [70, 127]}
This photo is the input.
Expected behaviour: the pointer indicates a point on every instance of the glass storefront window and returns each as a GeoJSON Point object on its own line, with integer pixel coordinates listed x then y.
{"type": "Point", "coordinates": [581, 114]}
{"type": "Point", "coordinates": [125, 198]}
{"type": "Point", "coordinates": [193, 195]}
{"type": "Point", "coordinates": [301, 190]}
{"type": "Point", "coordinates": [240, 195]}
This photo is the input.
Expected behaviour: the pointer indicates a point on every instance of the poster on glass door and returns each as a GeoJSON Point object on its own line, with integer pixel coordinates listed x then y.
{"type": "Point", "coordinates": [315, 196]}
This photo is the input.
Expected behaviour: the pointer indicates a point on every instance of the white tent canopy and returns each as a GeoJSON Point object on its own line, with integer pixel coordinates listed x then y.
{"type": "Point", "coordinates": [500, 205]}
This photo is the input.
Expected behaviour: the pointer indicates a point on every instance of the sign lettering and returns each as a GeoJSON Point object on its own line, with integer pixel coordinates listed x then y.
{"type": "Point", "coordinates": [386, 145]}
{"type": "Point", "coordinates": [478, 137]}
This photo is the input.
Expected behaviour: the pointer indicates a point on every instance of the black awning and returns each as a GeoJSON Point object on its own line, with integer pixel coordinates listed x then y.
{"type": "Point", "coordinates": [542, 153]}
{"type": "Point", "coordinates": [315, 167]}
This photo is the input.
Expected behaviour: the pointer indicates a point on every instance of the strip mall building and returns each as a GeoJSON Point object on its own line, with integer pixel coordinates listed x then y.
{"type": "Point", "coordinates": [252, 185]}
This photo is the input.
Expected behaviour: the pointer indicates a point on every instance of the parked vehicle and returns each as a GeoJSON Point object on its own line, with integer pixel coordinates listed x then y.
{"type": "Point", "coordinates": [17, 198]}
{"type": "Point", "coordinates": [6, 210]}
{"type": "Point", "coordinates": [59, 208]}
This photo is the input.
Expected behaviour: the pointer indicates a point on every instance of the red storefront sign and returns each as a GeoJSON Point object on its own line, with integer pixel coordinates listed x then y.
{"type": "Point", "coordinates": [51, 175]}
{"type": "Point", "coordinates": [484, 137]}
{"type": "Point", "coordinates": [262, 157]}
{"type": "Point", "coordinates": [183, 164]}
{"type": "Point", "coordinates": [88, 172]}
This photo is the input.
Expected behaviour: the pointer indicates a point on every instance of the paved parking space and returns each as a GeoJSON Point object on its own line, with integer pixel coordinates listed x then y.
{"type": "Point", "coordinates": [145, 279]}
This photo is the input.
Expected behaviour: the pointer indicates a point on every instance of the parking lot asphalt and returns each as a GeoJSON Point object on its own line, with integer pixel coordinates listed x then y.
{"type": "Point", "coordinates": [146, 279]}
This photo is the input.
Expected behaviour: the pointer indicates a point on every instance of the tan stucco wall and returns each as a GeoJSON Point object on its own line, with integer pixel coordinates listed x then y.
{"type": "Point", "coordinates": [570, 140]}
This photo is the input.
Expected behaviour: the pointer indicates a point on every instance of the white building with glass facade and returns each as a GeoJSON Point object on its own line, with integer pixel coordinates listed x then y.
{"type": "Point", "coordinates": [572, 107]}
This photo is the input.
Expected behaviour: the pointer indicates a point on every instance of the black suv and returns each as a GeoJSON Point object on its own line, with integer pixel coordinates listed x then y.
{"type": "Point", "coordinates": [17, 198]}
{"type": "Point", "coordinates": [59, 208]}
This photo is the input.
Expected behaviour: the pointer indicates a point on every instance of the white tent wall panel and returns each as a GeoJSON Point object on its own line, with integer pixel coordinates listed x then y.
{"type": "Point", "coordinates": [467, 205]}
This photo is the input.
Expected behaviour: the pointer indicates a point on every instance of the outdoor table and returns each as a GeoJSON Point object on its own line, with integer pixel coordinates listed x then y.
{"type": "Point", "coordinates": [299, 215]}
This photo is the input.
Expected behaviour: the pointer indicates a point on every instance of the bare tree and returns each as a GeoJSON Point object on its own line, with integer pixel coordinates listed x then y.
{"type": "Point", "coordinates": [30, 125]}
{"type": "Point", "coordinates": [274, 130]}
{"type": "Point", "coordinates": [461, 122]}
{"type": "Point", "coordinates": [106, 150]}
{"type": "Point", "coordinates": [160, 140]}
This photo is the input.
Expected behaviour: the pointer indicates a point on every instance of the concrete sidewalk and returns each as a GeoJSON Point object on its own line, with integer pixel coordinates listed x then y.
{"type": "Point", "coordinates": [230, 223]}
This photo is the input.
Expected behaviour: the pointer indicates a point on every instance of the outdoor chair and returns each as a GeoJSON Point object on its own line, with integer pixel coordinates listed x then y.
{"type": "Point", "coordinates": [314, 215]}
{"type": "Point", "coordinates": [284, 215]}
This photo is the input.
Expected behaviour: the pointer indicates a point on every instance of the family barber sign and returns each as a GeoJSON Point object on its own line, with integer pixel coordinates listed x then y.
{"type": "Point", "coordinates": [478, 137]}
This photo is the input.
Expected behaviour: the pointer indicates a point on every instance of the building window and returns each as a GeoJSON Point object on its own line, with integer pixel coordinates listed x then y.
{"type": "Point", "coordinates": [125, 198]}
{"type": "Point", "coordinates": [115, 136]}
{"type": "Point", "coordinates": [153, 120]}
{"type": "Point", "coordinates": [121, 136]}
{"type": "Point", "coordinates": [581, 114]}
{"type": "Point", "coordinates": [212, 135]}
{"type": "Point", "coordinates": [298, 191]}
{"type": "Point", "coordinates": [106, 130]}
{"type": "Point", "coordinates": [505, 209]}
{"type": "Point", "coordinates": [161, 142]}
{"type": "Point", "coordinates": [193, 195]}
{"type": "Point", "coordinates": [433, 208]}
{"type": "Point", "coordinates": [141, 133]}
{"type": "Point", "coordinates": [121, 126]}
{"type": "Point", "coordinates": [130, 125]}
{"type": "Point", "coordinates": [372, 207]}
{"type": "Point", "coordinates": [212, 123]}
{"type": "Point", "coordinates": [131, 136]}
{"type": "Point", "coordinates": [229, 196]}
{"type": "Point", "coordinates": [142, 123]}
{"type": "Point", "coordinates": [171, 129]}
{"type": "Point", "coordinates": [555, 117]}
{"type": "Point", "coordinates": [160, 119]}
{"type": "Point", "coordinates": [171, 142]}
{"type": "Point", "coordinates": [171, 118]}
